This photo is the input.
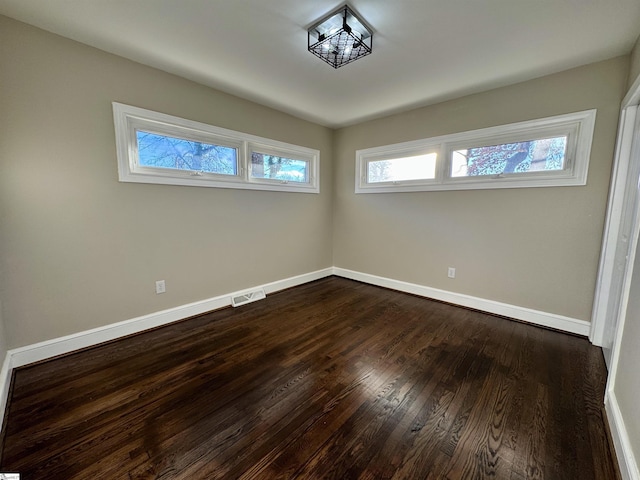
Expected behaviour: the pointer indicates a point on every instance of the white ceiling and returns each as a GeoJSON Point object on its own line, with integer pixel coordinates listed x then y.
{"type": "Point", "coordinates": [424, 51]}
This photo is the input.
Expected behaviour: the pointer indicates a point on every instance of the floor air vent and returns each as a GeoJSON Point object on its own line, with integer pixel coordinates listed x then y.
{"type": "Point", "coordinates": [247, 297]}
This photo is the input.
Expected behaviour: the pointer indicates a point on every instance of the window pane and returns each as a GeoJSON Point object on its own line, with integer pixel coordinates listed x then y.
{"type": "Point", "coordinates": [160, 151]}
{"type": "Point", "coordinates": [520, 157]}
{"type": "Point", "coordinates": [279, 168]}
{"type": "Point", "coordinates": [419, 167]}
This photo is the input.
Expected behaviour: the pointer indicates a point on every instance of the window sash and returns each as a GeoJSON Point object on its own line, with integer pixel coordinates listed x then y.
{"type": "Point", "coordinates": [404, 151]}
{"type": "Point", "coordinates": [423, 166]}
{"type": "Point", "coordinates": [565, 158]}
{"type": "Point", "coordinates": [263, 149]}
{"type": "Point", "coordinates": [136, 125]}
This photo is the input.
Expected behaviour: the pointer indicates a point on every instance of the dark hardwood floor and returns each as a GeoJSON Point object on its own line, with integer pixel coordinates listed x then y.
{"type": "Point", "coordinates": [332, 379]}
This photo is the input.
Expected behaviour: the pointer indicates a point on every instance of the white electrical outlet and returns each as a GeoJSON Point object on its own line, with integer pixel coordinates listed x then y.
{"type": "Point", "coordinates": [160, 287]}
{"type": "Point", "coordinates": [451, 273]}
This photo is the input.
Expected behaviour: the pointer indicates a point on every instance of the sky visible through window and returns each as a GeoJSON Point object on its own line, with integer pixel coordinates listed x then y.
{"type": "Point", "coordinates": [160, 151]}
{"type": "Point", "coordinates": [418, 167]}
{"type": "Point", "coordinates": [279, 168]}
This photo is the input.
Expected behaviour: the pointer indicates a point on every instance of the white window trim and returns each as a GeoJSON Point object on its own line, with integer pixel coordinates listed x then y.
{"type": "Point", "coordinates": [578, 126]}
{"type": "Point", "coordinates": [128, 119]}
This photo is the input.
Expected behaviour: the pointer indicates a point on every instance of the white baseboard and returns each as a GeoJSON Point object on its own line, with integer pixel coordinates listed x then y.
{"type": "Point", "coordinates": [58, 346]}
{"type": "Point", "coordinates": [5, 383]}
{"type": "Point", "coordinates": [550, 320]}
{"type": "Point", "coordinates": [19, 357]}
{"type": "Point", "coordinates": [626, 460]}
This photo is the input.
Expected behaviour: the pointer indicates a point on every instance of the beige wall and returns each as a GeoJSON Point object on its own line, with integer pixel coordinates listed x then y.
{"type": "Point", "coordinates": [80, 250]}
{"type": "Point", "coordinates": [535, 247]}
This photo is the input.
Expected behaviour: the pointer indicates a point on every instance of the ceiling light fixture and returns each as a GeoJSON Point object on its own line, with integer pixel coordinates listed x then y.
{"type": "Point", "coordinates": [340, 38]}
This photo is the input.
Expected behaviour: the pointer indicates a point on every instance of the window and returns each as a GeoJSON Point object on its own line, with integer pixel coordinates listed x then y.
{"type": "Point", "coordinates": [163, 151]}
{"type": "Point", "coordinates": [157, 148]}
{"type": "Point", "coordinates": [273, 165]}
{"type": "Point", "coordinates": [547, 152]}
{"type": "Point", "coordinates": [416, 167]}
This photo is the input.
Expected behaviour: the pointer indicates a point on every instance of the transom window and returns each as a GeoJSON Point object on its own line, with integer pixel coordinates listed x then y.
{"type": "Point", "coordinates": [157, 148]}
{"type": "Point", "coordinates": [415, 167]}
{"type": "Point", "coordinates": [278, 168]}
{"type": "Point", "coordinates": [546, 154]}
{"type": "Point", "coordinates": [272, 164]}
{"type": "Point", "coordinates": [163, 151]}
{"type": "Point", "coordinates": [553, 151]}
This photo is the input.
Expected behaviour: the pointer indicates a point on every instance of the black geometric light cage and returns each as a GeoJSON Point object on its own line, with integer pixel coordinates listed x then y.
{"type": "Point", "coordinates": [340, 38]}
